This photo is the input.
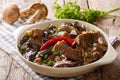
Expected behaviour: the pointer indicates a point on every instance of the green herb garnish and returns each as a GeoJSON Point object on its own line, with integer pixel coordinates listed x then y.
{"type": "Point", "coordinates": [22, 48]}
{"type": "Point", "coordinates": [73, 11]}
{"type": "Point", "coordinates": [57, 30]}
{"type": "Point", "coordinates": [45, 61]}
{"type": "Point", "coordinates": [56, 53]}
{"type": "Point", "coordinates": [54, 34]}
{"type": "Point", "coordinates": [50, 63]}
{"type": "Point", "coordinates": [25, 33]}
{"type": "Point", "coordinates": [45, 57]}
{"type": "Point", "coordinates": [50, 48]}
{"type": "Point", "coordinates": [87, 55]}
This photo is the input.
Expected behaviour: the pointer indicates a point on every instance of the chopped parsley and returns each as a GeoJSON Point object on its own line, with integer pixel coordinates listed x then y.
{"type": "Point", "coordinates": [57, 53]}
{"type": "Point", "coordinates": [50, 63]}
{"type": "Point", "coordinates": [87, 55]}
{"type": "Point", "coordinates": [22, 48]}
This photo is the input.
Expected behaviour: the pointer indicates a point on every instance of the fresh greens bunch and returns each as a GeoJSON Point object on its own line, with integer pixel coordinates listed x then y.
{"type": "Point", "coordinates": [73, 11]}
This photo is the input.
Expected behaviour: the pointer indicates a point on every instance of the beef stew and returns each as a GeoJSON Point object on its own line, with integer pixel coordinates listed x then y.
{"type": "Point", "coordinates": [67, 45]}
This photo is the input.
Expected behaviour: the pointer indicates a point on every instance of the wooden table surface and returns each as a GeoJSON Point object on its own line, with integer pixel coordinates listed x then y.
{"type": "Point", "coordinates": [11, 70]}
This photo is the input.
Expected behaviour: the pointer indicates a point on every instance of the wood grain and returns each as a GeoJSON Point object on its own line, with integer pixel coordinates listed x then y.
{"type": "Point", "coordinates": [18, 73]}
{"type": "Point", "coordinates": [11, 70]}
{"type": "Point", "coordinates": [107, 24]}
{"type": "Point", "coordinates": [5, 65]}
{"type": "Point", "coordinates": [50, 6]}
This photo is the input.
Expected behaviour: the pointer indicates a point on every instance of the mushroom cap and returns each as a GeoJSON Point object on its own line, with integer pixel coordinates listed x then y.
{"type": "Point", "coordinates": [11, 13]}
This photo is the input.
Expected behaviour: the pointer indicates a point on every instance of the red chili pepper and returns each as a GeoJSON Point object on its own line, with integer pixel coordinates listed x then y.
{"type": "Point", "coordinates": [54, 40]}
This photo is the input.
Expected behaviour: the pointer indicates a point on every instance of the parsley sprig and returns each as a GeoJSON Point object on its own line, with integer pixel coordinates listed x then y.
{"type": "Point", "coordinates": [73, 11]}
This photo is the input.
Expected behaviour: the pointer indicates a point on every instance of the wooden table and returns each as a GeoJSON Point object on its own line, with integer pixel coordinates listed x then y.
{"type": "Point", "coordinates": [11, 70]}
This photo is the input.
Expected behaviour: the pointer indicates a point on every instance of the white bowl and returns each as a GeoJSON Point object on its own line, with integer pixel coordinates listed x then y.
{"type": "Point", "coordinates": [109, 56]}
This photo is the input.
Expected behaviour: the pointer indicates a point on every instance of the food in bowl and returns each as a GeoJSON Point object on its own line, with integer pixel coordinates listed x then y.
{"type": "Point", "coordinates": [66, 71]}
{"type": "Point", "coordinates": [68, 45]}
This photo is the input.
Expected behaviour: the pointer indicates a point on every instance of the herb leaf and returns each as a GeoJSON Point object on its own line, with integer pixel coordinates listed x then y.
{"type": "Point", "coordinates": [73, 11]}
{"type": "Point", "coordinates": [22, 48]}
{"type": "Point", "coordinates": [50, 63]}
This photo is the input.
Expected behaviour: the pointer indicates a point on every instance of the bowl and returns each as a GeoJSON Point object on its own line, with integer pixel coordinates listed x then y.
{"type": "Point", "coordinates": [108, 57]}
